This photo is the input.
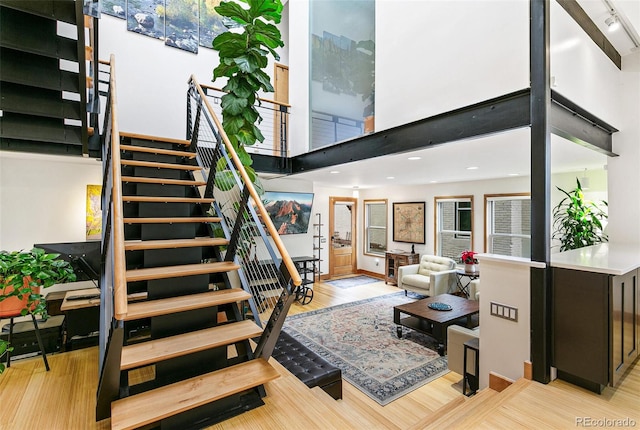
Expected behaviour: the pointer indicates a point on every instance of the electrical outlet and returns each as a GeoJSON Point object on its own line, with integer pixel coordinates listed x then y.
{"type": "Point", "coordinates": [504, 311]}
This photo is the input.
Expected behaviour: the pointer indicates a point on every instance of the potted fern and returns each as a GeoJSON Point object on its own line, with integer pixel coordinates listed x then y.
{"type": "Point", "coordinates": [578, 222]}
{"type": "Point", "coordinates": [23, 274]}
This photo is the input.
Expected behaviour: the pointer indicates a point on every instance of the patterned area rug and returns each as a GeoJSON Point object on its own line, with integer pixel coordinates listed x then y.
{"type": "Point", "coordinates": [353, 282]}
{"type": "Point", "coordinates": [360, 338]}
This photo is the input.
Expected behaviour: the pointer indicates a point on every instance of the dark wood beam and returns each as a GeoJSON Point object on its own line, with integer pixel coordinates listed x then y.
{"type": "Point", "coordinates": [540, 281]}
{"type": "Point", "coordinates": [584, 21]}
{"type": "Point", "coordinates": [580, 126]}
{"type": "Point", "coordinates": [496, 115]}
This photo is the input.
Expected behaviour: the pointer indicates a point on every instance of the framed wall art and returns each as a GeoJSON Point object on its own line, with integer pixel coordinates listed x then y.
{"type": "Point", "coordinates": [408, 222]}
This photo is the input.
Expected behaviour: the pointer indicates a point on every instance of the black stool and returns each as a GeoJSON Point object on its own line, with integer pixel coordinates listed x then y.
{"type": "Point", "coordinates": [40, 344]}
{"type": "Point", "coordinates": [473, 380]}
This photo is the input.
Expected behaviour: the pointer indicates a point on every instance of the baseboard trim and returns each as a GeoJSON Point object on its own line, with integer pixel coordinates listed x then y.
{"type": "Point", "coordinates": [371, 274]}
{"type": "Point", "coordinates": [528, 370]}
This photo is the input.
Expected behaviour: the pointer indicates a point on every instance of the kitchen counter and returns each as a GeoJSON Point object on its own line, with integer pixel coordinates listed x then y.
{"type": "Point", "coordinates": [605, 258]}
{"type": "Point", "coordinates": [595, 313]}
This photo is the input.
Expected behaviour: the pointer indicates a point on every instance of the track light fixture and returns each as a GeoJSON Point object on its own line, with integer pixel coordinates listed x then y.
{"type": "Point", "coordinates": [612, 23]}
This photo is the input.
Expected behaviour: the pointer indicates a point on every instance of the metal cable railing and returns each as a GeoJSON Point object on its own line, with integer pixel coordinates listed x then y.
{"type": "Point", "coordinates": [274, 125]}
{"type": "Point", "coordinates": [266, 267]}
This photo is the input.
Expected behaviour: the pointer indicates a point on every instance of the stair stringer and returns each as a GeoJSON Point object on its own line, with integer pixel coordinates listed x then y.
{"type": "Point", "coordinates": [158, 289]}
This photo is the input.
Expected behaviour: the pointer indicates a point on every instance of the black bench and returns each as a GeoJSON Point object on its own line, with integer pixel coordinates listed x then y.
{"type": "Point", "coordinates": [307, 366]}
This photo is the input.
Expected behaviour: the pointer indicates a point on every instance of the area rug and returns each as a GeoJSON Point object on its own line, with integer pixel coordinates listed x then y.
{"type": "Point", "coordinates": [360, 338]}
{"type": "Point", "coordinates": [353, 281]}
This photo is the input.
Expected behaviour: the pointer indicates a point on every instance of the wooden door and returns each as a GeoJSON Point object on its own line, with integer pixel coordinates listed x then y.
{"type": "Point", "coordinates": [342, 229]}
{"type": "Point", "coordinates": [281, 95]}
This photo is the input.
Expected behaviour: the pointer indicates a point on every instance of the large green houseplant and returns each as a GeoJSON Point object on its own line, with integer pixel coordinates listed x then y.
{"type": "Point", "coordinates": [24, 273]}
{"type": "Point", "coordinates": [243, 55]}
{"type": "Point", "coordinates": [578, 222]}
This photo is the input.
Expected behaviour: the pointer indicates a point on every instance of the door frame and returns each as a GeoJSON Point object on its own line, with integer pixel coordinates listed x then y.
{"type": "Point", "coordinates": [354, 233]}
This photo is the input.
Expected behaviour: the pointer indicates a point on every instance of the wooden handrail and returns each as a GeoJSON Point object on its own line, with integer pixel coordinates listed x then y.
{"type": "Point", "coordinates": [117, 221]}
{"type": "Point", "coordinates": [286, 258]}
{"type": "Point", "coordinates": [259, 98]}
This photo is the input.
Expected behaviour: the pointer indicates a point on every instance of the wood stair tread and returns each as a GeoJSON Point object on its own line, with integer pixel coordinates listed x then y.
{"type": "Point", "coordinates": [163, 181]}
{"type": "Point", "coordinates": [156, 350]}
{"type": "Point", "coordinates": [170, 220]}
{"type": "Point", "coordinates": [133, 245]}
{"type": "Point", "coordinates": [155, 138]}
{"type": "Point", "coordinates": [153, 199]}
{"type": "Point", "coordinates": [151, 406]}
{"type": "Point", "coordinates": [163, 272]}
{"type": "Point", "coordinates": [157, 165]}
{"type": "Point", "coordinates": [151, 150]}
{"type": "Point", "coordinates": [152, 308]}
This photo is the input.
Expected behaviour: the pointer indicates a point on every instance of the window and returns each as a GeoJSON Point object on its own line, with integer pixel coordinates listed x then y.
{"type": "Point", "coordinates": [463, 219]}
{"type": "Point", "coordinates": [375, 222]}
{"type": "Point", "coordinates": [454, 225]}
{"type": "Point", "coordinates": [508, 230]}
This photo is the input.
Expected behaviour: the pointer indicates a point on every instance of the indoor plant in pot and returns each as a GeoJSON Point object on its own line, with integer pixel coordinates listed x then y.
{"type": "Point", "coordinates": [578, 222]}
{"type": "Point", "coordinates": [469, 260]}
{"type": "Point", "coordinates": [23, 274]}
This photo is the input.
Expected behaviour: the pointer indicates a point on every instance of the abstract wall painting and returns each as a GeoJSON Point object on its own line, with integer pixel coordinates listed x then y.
{"type": "Point", "coordinates": [94, 212]}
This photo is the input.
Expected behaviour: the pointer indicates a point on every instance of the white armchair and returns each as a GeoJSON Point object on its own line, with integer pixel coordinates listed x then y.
{"type": "Point", "coordinates": [434, 275]}
{"type": "Point", "coordinates": [474, 289]}
{"type": "Point", "coordinates": [456, 337]}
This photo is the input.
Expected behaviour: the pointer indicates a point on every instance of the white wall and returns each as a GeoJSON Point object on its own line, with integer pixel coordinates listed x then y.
{"type": "Point", "coordinates": [427, 193]}
{"type": "Point", "coordinates": [624, 174]}
{"type": "Point", "coordinates": [581, 71]}
{"type": "Point", "coordinates": [435, 56]}
{"type": "Point", "coordinates": [504, 344]}
{"type": "Point", "coordinates": [152, 78]}
{"type": "Point", "coordinates": [417, 75]}
{"type": "Point", "coordinates": [43, 198]}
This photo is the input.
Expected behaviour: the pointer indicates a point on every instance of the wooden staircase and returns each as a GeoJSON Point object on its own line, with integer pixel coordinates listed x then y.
{"type": "Point", "coordinates": [190, 327]}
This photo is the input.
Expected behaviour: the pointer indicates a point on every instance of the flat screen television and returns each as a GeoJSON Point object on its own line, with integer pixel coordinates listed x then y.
{"type": "Point", "coordinates": [289, 212]}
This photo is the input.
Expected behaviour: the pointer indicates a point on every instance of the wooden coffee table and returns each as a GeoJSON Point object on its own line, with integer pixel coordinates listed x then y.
{"type": "Point", "coordinates": [434, 323]}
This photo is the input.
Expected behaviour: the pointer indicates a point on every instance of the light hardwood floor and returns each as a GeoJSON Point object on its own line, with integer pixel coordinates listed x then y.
{"type": "Point", "coordinates": [64, 398]}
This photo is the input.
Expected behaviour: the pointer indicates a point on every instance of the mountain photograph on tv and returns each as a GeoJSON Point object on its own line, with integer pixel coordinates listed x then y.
{"type": "Point", "coordinates": [289, 212]}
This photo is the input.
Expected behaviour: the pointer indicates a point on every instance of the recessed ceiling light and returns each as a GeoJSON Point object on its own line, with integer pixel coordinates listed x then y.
{"type": "Point", "coordinates": [514, 174]}
{"type": "Point", "coordinates": [473, 168]}
{"type": "Point", "coordinates": [433, 182]}
{"type": "Point", "coordinates": [391, 177]}
{"type": "Point", "coordinates": [334, 171]}
{"type": "Point", "coordinates": [414, 158]}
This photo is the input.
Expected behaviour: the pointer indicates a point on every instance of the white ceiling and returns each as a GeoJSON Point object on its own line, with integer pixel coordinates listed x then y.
{"type": "Point", "coordinates": [496, 156]}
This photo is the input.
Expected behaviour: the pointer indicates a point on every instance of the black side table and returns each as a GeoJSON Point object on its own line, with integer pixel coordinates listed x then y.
{"type": "Point", "coordinates": [472, 380]}
{"type": "Point", "coordinates": [470, 276]}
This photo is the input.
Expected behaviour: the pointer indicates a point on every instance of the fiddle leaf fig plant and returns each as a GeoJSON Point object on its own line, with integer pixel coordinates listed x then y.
{"type": "Point", "coordinates": [244, 52]}
{"type": "Point", "coordinates": [578, 222]}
